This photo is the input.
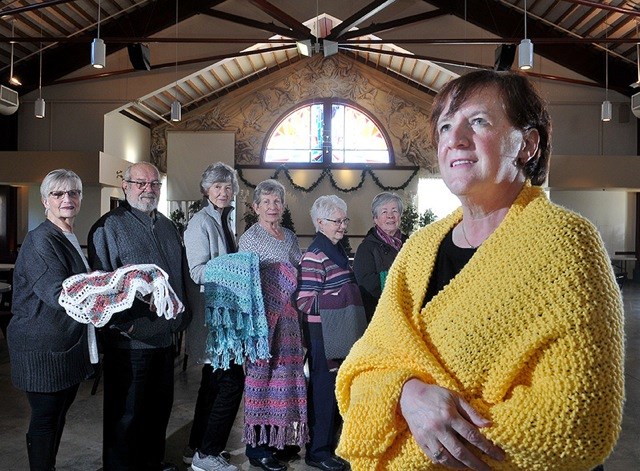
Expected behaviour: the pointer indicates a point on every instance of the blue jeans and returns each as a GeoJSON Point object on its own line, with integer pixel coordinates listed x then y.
{"type": "Point", "coordinates": [138, 396]}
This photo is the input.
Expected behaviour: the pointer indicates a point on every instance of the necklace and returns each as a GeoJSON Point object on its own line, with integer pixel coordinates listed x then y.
{"type": "Point", "coordinates": [464, 234]}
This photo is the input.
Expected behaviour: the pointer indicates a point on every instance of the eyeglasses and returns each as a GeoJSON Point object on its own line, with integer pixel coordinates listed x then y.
{"type": "Point", "coordinates": [339, 222]}
{"type": "Point", "coordinates": [155, 185]}
{"type": "Point", "coordinates": [73, 194]}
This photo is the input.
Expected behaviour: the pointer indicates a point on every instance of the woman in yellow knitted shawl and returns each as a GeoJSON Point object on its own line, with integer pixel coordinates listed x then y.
{"type": "Point", "coordinates": [498, 340]}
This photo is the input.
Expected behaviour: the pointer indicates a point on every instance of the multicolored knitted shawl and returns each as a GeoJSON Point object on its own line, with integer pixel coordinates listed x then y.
{"type": "Point", "coordinates": [95, 297]}
{"type": "Point", "coordinates": [275, 391]}
{"type": "Point", "coordinates": [234, 310]}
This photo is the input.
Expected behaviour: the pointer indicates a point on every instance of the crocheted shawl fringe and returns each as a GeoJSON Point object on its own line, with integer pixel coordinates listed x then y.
{"type": "Point", "coordinates": [93, 298]}
{"type": "Point", "coordinates": [234, 310]}
{"type": "Point", "coordinates": [277, 436]}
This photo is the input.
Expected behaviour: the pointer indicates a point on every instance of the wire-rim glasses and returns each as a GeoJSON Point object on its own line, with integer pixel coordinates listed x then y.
{"type": "Point", "coordinates": [339, 222]}
{"type": "Point", "coordinates": [155, 184]}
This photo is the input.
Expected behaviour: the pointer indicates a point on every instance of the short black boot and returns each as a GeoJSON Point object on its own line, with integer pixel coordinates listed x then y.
{"type": "Point", "coordinates": [41, 451]}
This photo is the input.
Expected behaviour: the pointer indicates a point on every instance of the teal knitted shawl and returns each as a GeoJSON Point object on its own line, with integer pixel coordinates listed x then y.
{"type": "Point", "coordinates": [234, 310]}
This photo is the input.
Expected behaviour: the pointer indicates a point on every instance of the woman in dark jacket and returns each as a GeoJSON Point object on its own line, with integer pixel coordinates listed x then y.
{"type": "Point", "coordinates": [49, 350]}
{"type": "Point", "coordinates": [378, 249]}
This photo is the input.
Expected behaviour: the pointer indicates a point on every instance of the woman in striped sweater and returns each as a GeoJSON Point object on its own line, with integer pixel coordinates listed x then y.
{"type": "Point", "coordinates": [333, 319]}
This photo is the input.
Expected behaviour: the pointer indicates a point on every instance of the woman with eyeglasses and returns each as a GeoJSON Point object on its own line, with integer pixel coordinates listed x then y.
{"type": "Point", "coordinates": [333, 319]}
{"type": "Point", "coordinates": [49, 351]}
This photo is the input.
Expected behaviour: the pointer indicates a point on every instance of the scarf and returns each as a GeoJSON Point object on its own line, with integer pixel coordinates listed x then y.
{"type": "Point", "coordinates": [234, 310]}
{"type": "Point", "coordinates": [394, 241]}
{"type": "Point", "coordinates": [334, 251]}
{"type": "Point", "coordinates": [275, 393]}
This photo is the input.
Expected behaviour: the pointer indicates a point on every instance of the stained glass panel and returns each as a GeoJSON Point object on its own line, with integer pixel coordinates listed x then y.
{"type": "Point", "coordinates": [350, 136]}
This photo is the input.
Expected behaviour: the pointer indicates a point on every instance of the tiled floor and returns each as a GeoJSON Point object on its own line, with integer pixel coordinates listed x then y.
{"type": "Point", "coordinates": [81, 443]}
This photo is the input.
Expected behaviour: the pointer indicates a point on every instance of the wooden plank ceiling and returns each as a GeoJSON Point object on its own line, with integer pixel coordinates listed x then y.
{"type": "Point", "coordinates": [250, 38]}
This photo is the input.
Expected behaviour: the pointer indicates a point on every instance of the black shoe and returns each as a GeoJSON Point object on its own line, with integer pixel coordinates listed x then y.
{"type": "Point", "coordinates": [168, 467]}
{"type": "Point", "coordinates": [289, 453]}
{"type": "Point", "coordinates": [268, 463]}
{"type": "Point", "coordinates": [329, 464]}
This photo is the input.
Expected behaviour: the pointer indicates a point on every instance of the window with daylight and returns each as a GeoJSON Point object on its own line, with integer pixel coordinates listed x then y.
{"type": "Point", "coordinates": [327, 132]}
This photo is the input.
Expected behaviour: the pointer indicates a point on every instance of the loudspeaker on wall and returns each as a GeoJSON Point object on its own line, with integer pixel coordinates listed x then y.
{"type": "Point", "coordinates": [140, 56]}
{"type": "Point", "coordinates": [505, 54]}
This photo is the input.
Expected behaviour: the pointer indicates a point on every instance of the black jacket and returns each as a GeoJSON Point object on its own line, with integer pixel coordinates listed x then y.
{"type": "Point", "coordinates": [372, 258]}
{"type": "Point", "coordinates": [48, 349]}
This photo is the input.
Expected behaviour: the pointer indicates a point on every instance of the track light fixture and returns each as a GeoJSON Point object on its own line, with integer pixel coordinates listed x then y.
{"type": "Point", "coordinates": [98, 49]}
{"type": "Point", "coordinates": [525, 51]}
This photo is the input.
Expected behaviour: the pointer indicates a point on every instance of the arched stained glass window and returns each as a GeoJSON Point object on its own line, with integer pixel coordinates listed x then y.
{"type": "Point", "coordinates": [327, 132]}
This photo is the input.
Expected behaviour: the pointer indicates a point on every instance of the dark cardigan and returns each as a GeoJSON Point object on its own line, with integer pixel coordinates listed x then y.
{"type": "Point", "coordinates": [373, 257]}
{"type": "Point", "coordinates": [48, 349]}
{"type": "Point", "coordinates": [128, 236]}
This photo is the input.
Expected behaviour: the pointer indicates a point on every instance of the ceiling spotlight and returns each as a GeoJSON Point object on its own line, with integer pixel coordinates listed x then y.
{"type": "Point", "coordinates": [329, 48]}
{"type": "Point", "coordinates": [176, 111]}
{"type": "Point", "coordinates": [525, 51]}
{"type": "Point", "coordinates": [13, 80]}
{"type": "Point", "coordinates": [525, 54]}
{"type": "Point", "coordinates": [40, 107]}
{"type": "Point", "coordinates": [606, 111]}
{"type": "Point", "coordinates": [98, 49]}
{"type": "Point", "coordinates": [304, 47]}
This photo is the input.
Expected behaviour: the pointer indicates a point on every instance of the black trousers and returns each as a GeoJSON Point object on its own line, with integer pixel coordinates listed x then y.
{"type": "Point", "coordinates": [138, 396]}
{"type": "Point", "coordinates": [324, 418]}
{"type": "Point", "coordinates": [217, 405]}
{"type": "Point", "coordinates": [48, 416]}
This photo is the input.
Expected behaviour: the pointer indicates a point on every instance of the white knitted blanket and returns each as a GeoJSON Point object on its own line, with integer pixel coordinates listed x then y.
{"type": "Point", "coordinates": [92, 298]}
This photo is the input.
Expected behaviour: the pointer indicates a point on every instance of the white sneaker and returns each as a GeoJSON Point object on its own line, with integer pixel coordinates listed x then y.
{"type": "Point", "coordinates": [210, 463]}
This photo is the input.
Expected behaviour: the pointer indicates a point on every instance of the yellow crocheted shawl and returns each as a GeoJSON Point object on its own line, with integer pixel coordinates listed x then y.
{"type": "Point", "coordinates": [530, 332]}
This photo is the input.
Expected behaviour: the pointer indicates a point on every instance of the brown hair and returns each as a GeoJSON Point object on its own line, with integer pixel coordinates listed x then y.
{"type": "Point", "coordinates": [524, 107]}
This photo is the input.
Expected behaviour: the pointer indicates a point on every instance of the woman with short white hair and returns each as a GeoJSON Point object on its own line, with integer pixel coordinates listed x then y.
{"type": "Point", "coordinates": [333, 319]}
{"type": "Point", "coordinates": [49, 350]}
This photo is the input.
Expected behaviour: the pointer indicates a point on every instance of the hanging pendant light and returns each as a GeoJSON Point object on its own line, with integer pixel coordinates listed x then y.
{"type": "Point", "coordinates": [40, 106]}
{"type": "Point", "coordinates": [606, 108]}
{"type": "Point", "coordinates": [98, 48]}
{"type": "Point", "coordinates": [176, 106]}
{"type": "Point", "coordinates": [525, 51]}
{"type": "Point", "coordinates": [13, 80]}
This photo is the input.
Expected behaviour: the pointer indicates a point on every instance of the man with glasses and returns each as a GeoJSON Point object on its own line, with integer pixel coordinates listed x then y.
{"type": "Point", "coordinates": [138, 356]}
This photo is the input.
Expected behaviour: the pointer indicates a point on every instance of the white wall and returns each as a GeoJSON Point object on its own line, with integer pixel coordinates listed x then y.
{"type": "Point", "coordinates": [608, 211]}
{"type": "Point", "coordinates": [125, 138]}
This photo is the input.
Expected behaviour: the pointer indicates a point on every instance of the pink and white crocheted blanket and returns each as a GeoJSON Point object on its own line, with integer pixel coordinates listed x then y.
{"type": "Point", "coordinates": [92, 298]}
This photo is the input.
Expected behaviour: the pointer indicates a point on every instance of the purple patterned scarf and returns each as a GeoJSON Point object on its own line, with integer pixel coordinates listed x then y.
{"type": "Point", "coordinates": [394, 241]}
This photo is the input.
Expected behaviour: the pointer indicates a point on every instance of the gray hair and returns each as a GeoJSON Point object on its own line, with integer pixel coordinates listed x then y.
{"type": "Point", "coordinates": [127, 173]}
{"type": "Point", "coordinates": [268, 187]}
{"type": "Point", "coordinates": [324, 207]}
{"type": "Point", "coordinates": [217, 173]}
{"type": "Point", "coordinates": [383, 198]}
{"type": "Point", "coordinates": [58, 179]}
